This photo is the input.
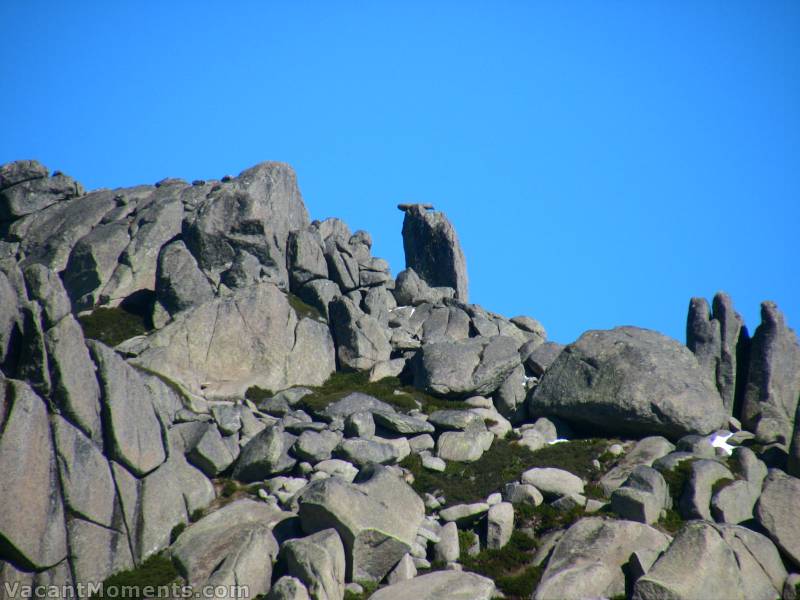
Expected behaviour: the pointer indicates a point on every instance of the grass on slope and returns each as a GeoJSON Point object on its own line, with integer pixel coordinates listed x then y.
{"type": "Point", "coordinates": [504, 462]}
{"type": "Point", "coordinates": [389, 390]}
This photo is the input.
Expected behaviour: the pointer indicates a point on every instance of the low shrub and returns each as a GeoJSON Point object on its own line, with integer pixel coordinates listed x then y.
{"type": "Point", "coordinates": [112, 326]}
{"type": "Point", "coordinates": [369, 589]}
{"type": "Point", "coordinates": [155, 572]}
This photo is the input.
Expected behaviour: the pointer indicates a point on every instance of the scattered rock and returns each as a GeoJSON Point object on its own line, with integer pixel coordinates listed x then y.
{"type": "Point", "coordinates": [440, 585]}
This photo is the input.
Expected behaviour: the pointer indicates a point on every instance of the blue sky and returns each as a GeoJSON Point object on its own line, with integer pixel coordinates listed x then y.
{"type": "Point", "coordinates": [601, 161]}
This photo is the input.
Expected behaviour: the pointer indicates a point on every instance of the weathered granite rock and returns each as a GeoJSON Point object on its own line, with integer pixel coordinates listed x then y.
{"type": "Point", "coordinates": [698, 559]}
{"type": "Point", "coordinates": [86, 480]}
{"type": "Point", "coordinates": [645, 452]}
{"type": "Point", "coordinates": [440, 585]}
{"type": "Point", "coordinates": [306, 258]}
{"type": "Point", "coordinates": [209, 452]}
{"type": "Point", "coordinates": [630, 380]}
{"type": "Point", "coordinates": [318, 561]}
{"type": "Point", "coordinates": [463, 446]}
{"type": "Point", "coordinates": [131, 421]}
{"type": "Point", "coordinates": [288, 588]}
{"type": "Point", "coordinates": [265, 455]}
{"type": "Point", "coordinates": [587, 561]}
{"type": "Point", "coordinates": [773, 385]}
{"type": "Point", "coordinates": [499, 525]}
{"type": "Point", "coordinates": [250, 338]}
{"type": "Point", "coordinates": [32, 528]}
{"type": "Point", "coordinates": [642, 497]}
{"type": "Point", "coordinates": [76, 392]}
{"type": "Point", "coordinates": [180, 284]}
{"type": "Point", "coordinates": [538, 357]}
{"type": "Point", "coordinates": [96, 552]}
{"type": "Point", "coordinates": [467, 367]}
{"type": "Point", "coordinates": [432, 249]}
{"type": "Point", "coordinates": [376, 518]}
{"type": "Point", "coordinates": [25, 188]}
{"type": "Point", "coordinates": [361, 341]}
{"type": "Point", "coordinates": [776, 510]}
{"type": "Point", "coordinates": [696, 498]}
{"type": "Point", "coordinates": [553, 482]}
{"type": "Point", "coordinates": [232, 546]}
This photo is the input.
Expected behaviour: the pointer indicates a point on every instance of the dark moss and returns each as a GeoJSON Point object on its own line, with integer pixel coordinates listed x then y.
{"type": "Point", "coordinates": [155, 572]}
{"type": "Point", "coordinates": [545, 518]}
{"type": "Point", "coordinates": [677, 478]}
{"type": "Point", "coordinates": [176, 531]}
{"type": "Point", "coordinates": [257, 394]}
{"type": "Point", "coordinates": [112, 326]}
{"type": "Point", "coordinates": [229, 488]}
{"type": "Point", "coordinates": [303, 310]}
{"type": "Point", "coordinates": [369, 589]}
{"type": "Point", "coordinates": [389, 390]}
{"type": "Point", "coordinates": [671, 522]}
{"type": "Point", "coordinates": [508, 566]}
{"type": "Point", "coordinates": [505, 461]}
{"type": "Point", "coordinates": [720, 485]}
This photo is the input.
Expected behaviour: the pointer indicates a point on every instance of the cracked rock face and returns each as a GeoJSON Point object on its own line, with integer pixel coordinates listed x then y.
{"type": "Point", "coordinates": [250, 338]}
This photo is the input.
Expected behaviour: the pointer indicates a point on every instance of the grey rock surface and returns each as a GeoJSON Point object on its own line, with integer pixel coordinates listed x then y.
{"type": "Point", "coordinates": [440, 585]}
{"type": "Point", "coordinates": [465, 368]}
{"type": "Point", "coordinates": [776, 511]}
{"type": "Point", "coordinates": [32, 524]}
{"type": "Point", "coordinates": [318, 561]}
{"type": "Point", "coordinates": [432, 249]}
{"type": "Point", "coordinates": [773, 385]}
{"type": "Point", "coordinates": [630, 380]}
{"type": "Point", "coordinates": [180, 284]}
{"type": "Point", "coordinates": [376, 518]}
{"type": "Point", "coordinates": [587, 561]}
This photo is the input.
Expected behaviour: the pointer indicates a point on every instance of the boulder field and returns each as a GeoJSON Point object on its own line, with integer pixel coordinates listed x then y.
{"type": "Point", "coordinates": [199, 385]}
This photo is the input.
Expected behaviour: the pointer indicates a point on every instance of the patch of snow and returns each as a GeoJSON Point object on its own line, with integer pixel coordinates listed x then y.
{"type": "Point", "coordinates": [720, 440]}
{"type": "Point", "coordinates": [558, 441]}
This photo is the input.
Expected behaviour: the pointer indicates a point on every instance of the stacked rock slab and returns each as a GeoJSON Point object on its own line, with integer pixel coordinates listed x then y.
{"type": "Point", "coordinates": [432, 249]}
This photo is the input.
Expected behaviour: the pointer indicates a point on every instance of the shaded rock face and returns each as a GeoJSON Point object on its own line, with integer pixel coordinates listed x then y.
{"type": "Point", "coordinates": [720, 342]}
{"type": "Point", "coordinates": [773, 386]}
{"type": "Point", "coordinates": [630, 380]}
{"type": "Point", "coordinates": [432, 249]}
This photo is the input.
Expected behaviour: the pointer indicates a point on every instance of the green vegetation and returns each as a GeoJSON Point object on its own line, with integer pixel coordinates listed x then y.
{"type": "Point", "coordinates": [508, 566]}
{"type": "Point", "coordinates": [466, 540]}
{"type": "Point", "coordinates": [676, 479]}
{"type": "Point", "coordinates": [303, 310]}
{"type": "Point", "coordinates": [112, 326]}
{"type": "Point", "coordinates": [672, 522]}
{"type": "Point", "coordinates": [369, 589]}
{"type": "Point", "coordinates": [505, 461]}
{"type": "Point", "coordinates": [389, 390]}
{"type": "Point", "coordinates": [257, 394]}
{"type": "Point", "coordinates": [544, 518]}
{"type": "Point", "coordinates": [720, 485]}
{"type": "Point", "coordinates": [156, 571]}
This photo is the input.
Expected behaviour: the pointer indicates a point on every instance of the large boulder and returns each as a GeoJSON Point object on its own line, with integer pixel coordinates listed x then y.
{"type": "Point", "coordinates": [180, 284]}
{"type": "Point", "coordinates": [318, 561]}
{"type": "Point", "coordinates": [475, 366]}
{"type": "Point", "coordinates": [432, 249]}
{"type": "Point", "coordinates": [361, 340]}
{"type": "Point", "coordinates": [232, 546]}
{"type": "Point", "coordinates": [702, 557]}
{"type": "Point", "coordinates": [32, 527]}
{"type": "Point", "coordinates": [773, 385]}
{"type": "Point", "coordinates": [588, 560]}
{"type": "Point", "coordinates": [630, 381]}
{"type": "Point", "coordinates": [250, 338]}
{"type": "Point", "coordinates": [252, 214]}
{"type": "Point", "coordinates": [777, 512]}
{"type": "Point", "coordinates": [377, 519]}
{"type": "Point", "coordinates": [439, 585]}
{"type": "Point", "coordinates": [26, 188]}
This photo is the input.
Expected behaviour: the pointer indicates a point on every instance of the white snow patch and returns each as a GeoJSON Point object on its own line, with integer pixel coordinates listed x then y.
{"type": "Point", "coordinates": [720, 440]}
{"type": "Point", "coordinates": [558, 441]}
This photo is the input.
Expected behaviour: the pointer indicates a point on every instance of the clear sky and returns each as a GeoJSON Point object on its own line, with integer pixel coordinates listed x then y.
{"type": "Point", "coordinates": [601, 161]}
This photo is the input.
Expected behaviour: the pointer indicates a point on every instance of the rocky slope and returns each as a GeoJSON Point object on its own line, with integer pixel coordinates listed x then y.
{"type": "Point", "coordinates": [201, 385]}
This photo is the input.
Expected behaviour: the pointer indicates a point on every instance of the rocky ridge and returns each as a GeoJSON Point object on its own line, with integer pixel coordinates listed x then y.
{"type": "Point", "coordinates": [197, 372]}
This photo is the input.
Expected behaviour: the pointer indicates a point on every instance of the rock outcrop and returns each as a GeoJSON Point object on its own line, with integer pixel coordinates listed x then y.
{"type": "Point", "coordinates": [630, 380]}
{"type": "Point", "coordinates": [197, 378]}
{"type": "Point", "coordinates": [433, 250]}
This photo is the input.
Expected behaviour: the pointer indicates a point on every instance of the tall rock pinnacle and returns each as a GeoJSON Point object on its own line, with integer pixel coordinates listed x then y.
{"type": "Point", "coordinates": [432, 249]}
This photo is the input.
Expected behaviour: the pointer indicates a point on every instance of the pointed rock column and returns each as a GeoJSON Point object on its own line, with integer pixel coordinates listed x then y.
{"type": "Point", "coordinates": [432, 249]}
